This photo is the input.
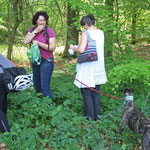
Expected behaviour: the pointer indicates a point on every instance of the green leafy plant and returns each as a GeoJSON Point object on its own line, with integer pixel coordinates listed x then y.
{"type": "Point", "coordinates": [134, 74]}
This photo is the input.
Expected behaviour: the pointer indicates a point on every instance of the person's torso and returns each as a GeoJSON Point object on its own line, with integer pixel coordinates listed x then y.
{"type": "Point", "coordinates": [41, 37]}
{"type": "Point", "coordinates": [93, 73]}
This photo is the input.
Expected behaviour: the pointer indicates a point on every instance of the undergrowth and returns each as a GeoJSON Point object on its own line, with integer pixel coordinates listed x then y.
{"type": "Point", "coordinates": [36, 124]}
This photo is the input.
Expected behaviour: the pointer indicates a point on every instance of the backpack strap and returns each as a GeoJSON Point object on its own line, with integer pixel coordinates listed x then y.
{"type": "Point", "coordinates": [33, 29]}
{"type": "Point", "coordinates": [47, 40]}
{"type": "Point", "coordinates": [47, 36]}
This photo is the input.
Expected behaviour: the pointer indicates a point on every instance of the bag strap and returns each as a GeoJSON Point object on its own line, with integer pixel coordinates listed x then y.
{"type": "Point", "coordinates": [47, 36]}
{"type": "Point", "coordinates": [88, 35]}
{"type": "Point", "coordinates": [47, 40]}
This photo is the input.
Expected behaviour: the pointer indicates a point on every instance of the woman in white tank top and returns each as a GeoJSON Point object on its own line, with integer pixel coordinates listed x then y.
{"type": "Point", "coordinates": [91, 73]}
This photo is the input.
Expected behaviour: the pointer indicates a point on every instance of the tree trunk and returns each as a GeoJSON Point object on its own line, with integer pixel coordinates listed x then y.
{"type": "Point", "coordinates": [118, 28]}
{"type": "Point", "coordinates": [10, 44]}
{"type": "Point", "coordinates": [109, 32]}
{"type": "Point", "coordinates": [72, 32]}
{"type": "Point", "coordinates": [14, 19]}
{"type": "Point", "coordinates": [133, 36]}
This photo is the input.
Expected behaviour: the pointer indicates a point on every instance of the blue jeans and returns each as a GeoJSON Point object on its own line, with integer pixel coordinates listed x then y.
{"type": "Point", "coordinates": [91, 102]}
{"type": "Point", "coordinates": [42, 76]}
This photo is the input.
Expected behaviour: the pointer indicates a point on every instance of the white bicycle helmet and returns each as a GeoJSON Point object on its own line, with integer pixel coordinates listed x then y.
{"type": "Point", "coordinates": [22, 82]}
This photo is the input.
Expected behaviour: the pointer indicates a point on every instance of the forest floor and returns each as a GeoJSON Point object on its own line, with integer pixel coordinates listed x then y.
{"type": "Point", "coordinates": [142, 51]}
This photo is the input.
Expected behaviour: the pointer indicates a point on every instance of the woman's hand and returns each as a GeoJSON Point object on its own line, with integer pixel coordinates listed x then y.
{"type": "Point", "coordinates": [71, 47]}
{"type": "Point", "coordinates": [30, 36]}
{"type": "Point", "coordinates": [37, 42]}
{"type": "Point", "coordinates": [39, 28]}
{"type": "Point", "coordinates": [52, 46]}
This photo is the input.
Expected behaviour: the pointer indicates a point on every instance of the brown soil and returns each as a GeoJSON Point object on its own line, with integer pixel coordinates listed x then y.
{"type": "Point", "coordinates": [142, 51]}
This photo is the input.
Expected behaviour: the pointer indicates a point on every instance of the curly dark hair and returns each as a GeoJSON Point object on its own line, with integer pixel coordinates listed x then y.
{"type": "Point", "coordinates": [36, 16]}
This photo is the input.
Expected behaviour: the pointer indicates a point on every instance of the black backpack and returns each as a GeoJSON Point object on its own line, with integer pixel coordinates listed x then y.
{"type": "Point", "coordinates": [9, 76]}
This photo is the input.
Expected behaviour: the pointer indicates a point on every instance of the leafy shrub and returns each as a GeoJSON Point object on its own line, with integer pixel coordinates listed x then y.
{"type": "Point", "coordinates": [37, 124]}
{"type": "Point", "coordinates": [133, 74]}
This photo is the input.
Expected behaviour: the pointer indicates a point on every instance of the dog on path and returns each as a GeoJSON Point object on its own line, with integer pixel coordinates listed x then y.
{"type": "Point", "coordinates": [135, 120]}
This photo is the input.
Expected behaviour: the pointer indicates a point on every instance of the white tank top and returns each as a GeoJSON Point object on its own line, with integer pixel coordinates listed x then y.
{"type": "Point", "coordinates": [93, 73]}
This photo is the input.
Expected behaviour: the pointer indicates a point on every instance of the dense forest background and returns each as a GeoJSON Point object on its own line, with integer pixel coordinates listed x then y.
{"type": "Point", "coordinates": [124, 22]}
{"type": "Point", "coordinates": [34, 124]}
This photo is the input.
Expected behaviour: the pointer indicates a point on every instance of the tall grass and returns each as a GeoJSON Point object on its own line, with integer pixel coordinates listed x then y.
{"type": "Point", "coordinates": [19, 56]}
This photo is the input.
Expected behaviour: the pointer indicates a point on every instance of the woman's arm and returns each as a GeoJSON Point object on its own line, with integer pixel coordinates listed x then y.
{"type": "Point", "coordinates": [83, 44]}
{"type": "Point", "coordinates": [52, 44]}
{"type": "Point", "coordinates": [29, 37]}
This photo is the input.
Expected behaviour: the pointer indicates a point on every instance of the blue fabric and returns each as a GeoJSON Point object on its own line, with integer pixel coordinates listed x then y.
{"type": "Point", "coordinates": [5, 63]}
{"type": "Point", "coordinates": [42, 76]}
{"type": "Point", "coordinates": [91, 42]}
{"type": "Point", "coordinates": [91, 102]}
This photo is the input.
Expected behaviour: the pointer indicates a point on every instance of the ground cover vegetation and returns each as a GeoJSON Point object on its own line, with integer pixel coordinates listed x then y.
{"type": "Point", "coordinates": [35, 123]}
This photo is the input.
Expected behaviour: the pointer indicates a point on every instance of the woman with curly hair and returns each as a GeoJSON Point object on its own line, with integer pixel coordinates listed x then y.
{"type": "Point", "coordinates": [42, 73]}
